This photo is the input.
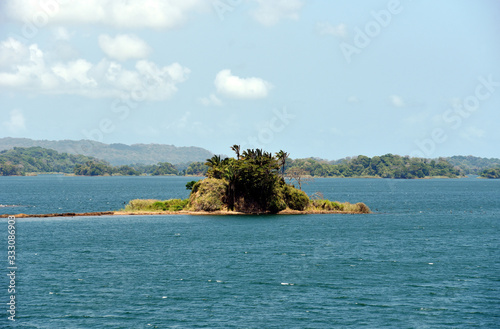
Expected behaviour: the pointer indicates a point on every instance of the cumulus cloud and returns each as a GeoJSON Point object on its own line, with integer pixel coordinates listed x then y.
{"type": "Point", "coordinates": [33, 72]}
{"type": "Point", "coordinates": [236, 87]}
{"type": "Point", "coordinates": [397, 101]}
{"type": "Point", "coordinates": [116, 13]}
{"type": "Point", "coordinates": [11, 52]}
{"type": "Point", "coordinates": [124, 47]}
{"type": "Point", "coordinates": [211, 100]}
{"type": "Point", "coordinates": [328, 29]}
{"type": "Point", "coordinates": [16, 122]}
{"type": "Point", "coordinates": [270, 12]}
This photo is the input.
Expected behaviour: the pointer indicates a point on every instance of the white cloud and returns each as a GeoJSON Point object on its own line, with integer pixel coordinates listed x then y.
{"type": "Point", "coordinates": [124, 47]}
{"type": "Point", "coordinates": [33, 72]}
{"type": "Point", "coordinates": [270, 12]}
{"type": "Point", "coordinates": [328, 29]}
{"type": "Point", "coordinates": [397, 101]}
{"type": "Point", "coordinates": [75, 71]}
{"type": "Point", "coordinates": [234, 86]}
{"type": "Point", "coordinates": [211, 100]}
{"type": "Point", "coordinates": [11, 52]}
{"type": "Point", "coordinates": [116, 13]}
{"type": "Point", "coordinates": [15, 122]}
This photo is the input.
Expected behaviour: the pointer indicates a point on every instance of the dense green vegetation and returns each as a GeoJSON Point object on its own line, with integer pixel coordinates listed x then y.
{"type": "Point", "coordinates": [99, 169]}
{"type": "Point", "coordinates": [386, 166]}
{"type": "Point", "coordinates": [156, 205]}
{"type": "Point", "coordinates": [196, 169]}
{"type": "Point", "coordinates": [116, 154]}
{"type": "Point", "coordinates": [490, 173]}
{"type": "Point", "coordinates": [19, 161]}
{"type": "Point", "coordinates": [473, 165]}
{"type": "Point", "coordinates": [164, 168]}
{"type": "Point", "coordinates": [93, 168]}
{"type": "Point", "coordinates": [253, 182]}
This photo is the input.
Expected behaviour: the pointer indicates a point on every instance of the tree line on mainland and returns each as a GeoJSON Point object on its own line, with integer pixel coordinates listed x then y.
{"type": "Point", "coordinates": [22, 161]}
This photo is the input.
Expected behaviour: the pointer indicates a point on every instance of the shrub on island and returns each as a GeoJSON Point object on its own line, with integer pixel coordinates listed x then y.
{"type": "Point", "coordinates": [156, 205]}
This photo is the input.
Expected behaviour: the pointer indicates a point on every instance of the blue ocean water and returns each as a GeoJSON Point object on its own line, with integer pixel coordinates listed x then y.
{"type": "Point", "coordinates": [427, 258]}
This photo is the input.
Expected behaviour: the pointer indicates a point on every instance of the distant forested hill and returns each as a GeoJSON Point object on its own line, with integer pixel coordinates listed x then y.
{"type": "Point", "coordinates": [394, 166]}
{"type": "Point", "coordinates": [473, 165]}
{"type": "Point", "coordinates": [385, 166]}
{"type": "Point", "coordinates": [19, 161]}
{"type": "Point", "coordinates": [116, 154]}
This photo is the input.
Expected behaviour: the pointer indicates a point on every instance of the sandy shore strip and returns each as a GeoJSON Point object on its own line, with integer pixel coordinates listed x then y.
{"type": "Point", "coordinates": [182, 212]}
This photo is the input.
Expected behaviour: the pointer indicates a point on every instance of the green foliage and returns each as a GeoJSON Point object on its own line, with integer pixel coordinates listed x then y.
{"type": "Point", "coordinates": [473, 165]}
{"type": "Point", "coordinates": [126, 171]}
{"type": "Point", "coordinates": [327, 205]}
{"type": "Point", "coordinates": [9, 169]}
{"type": "Point", "coordinates": [156, 205]}
{"type": "Point", "coordinates": [93, 168]}
{"type": "Point", "coordinates": [189, 185]}
{"type": "Point", "coordinates": [176, 204]}
{"type": "Point", "coordinates": [115, 154]}
{"type": "Point", "coordinates": [493, 173]}
{"type": "Point", "coordinates": [295, 199]}
{"type": "Point", "coordinates": [208, 195]}
{"type": "Point", "coordinates": [252, 183]}
{"type": "Point", "coordinates": [19, 161]}
{"type": "Point", "coordinates": [140, 204]}
{"type": "Point", "coordinates": [164, 168]}
{"type": "Point", "coordinates": [385, 166]}
{"type": "Point", "coordinates": [196, 169]}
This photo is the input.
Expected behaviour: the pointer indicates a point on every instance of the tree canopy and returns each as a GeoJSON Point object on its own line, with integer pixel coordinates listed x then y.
{"type": "Point", "coordinates": [22, 160]}
{"type": "Point", "coordinates": [385, 166]}
{"type": "Point", "coordinates": [490, 173]}
{"type": "Point", "coordinates": [251, 182]}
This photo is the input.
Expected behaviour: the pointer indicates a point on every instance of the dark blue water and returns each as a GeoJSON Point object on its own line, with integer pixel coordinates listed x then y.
{"type": "Point", "coordinates": [428, 258]}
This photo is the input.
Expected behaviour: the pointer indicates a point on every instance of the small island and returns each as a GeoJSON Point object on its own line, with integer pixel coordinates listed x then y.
{"type": "Point", "coordinates": [252, 183]}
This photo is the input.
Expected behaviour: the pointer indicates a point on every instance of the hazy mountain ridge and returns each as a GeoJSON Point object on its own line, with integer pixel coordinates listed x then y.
{"type": "Point", "coordinates": [473, 165]}
{"type": "Point", "coordinates": [116, 154]}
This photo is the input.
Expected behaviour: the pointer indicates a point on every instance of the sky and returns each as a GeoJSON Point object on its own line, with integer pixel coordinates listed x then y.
{"type": "Point", "coordinates": [320, 78]}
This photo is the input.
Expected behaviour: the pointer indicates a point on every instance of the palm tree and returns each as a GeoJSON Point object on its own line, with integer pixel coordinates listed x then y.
{"type": "Point", "coordinates": [216, 165]}
{"type": "Point", "coordinates": [236, 149]}
{"type": "Point", "coordinates": [282, 156]}
{"type": "Point", "coordinates": [214, 161]}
